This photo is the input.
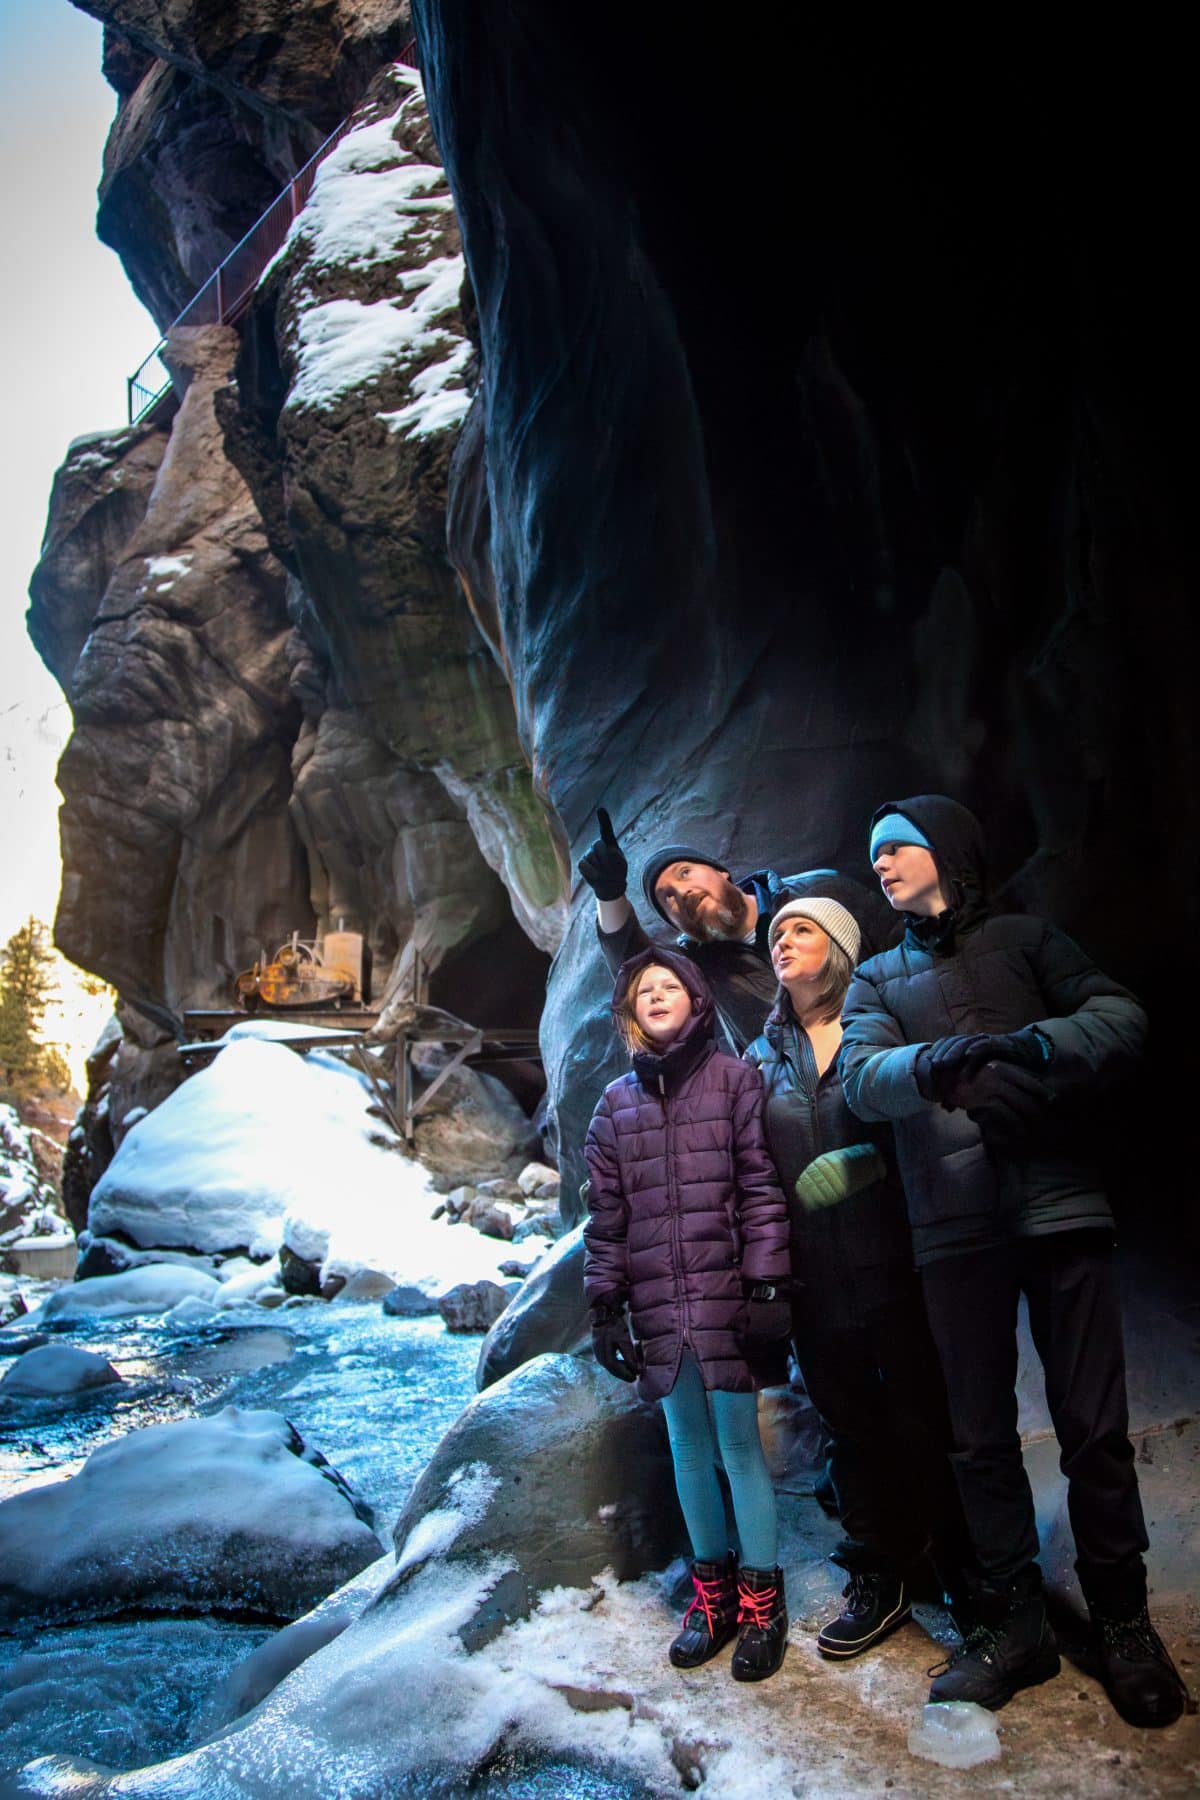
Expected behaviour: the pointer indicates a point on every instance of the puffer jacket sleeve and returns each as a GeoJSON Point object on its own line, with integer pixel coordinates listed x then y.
{"type": "Point", "coordinates": [762, 1211]}
{"type": "Point", "coordinates": [605, 1235]}
{"type": "Point", "coordinates": [1097, 1027]}
{"type": "Point", "coordinates": [618, 946]}
{"type": "Point", "coordinates": [876, 1064]}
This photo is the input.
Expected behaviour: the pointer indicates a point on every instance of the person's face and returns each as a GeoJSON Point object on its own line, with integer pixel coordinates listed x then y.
{"type": "Point", "coordinates": [662, 1005]}
{"type": "Point", "coordinates": [909, 878]}
{"type": "Point", "coordinates": [799, 951]}
{"type": "Point", "coordinates": [700, 900]}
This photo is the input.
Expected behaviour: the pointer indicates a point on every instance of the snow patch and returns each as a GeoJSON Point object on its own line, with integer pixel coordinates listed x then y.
{"type": "Point", "coordinates": [159, 566]}
{"type": "Point", "coordinates": [265, 1147]}
{"type": "Point", "coordinates": [152, 1288]}
{"type": "Point", "coordinates": [475, 1486]}
{"type": "Point", "coordinates": [351, 343]}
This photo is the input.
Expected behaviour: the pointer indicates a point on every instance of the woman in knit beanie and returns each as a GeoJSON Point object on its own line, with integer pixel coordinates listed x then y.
{"type": "Point", "coordinates": [859, 1328]}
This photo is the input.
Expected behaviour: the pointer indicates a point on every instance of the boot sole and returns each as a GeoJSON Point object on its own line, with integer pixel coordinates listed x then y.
{"type": "Point", "coordinates": [759, 1674]}
{"type": "Point", "coordinates": [842, 1651]}
{"type": "Point", "coordinates": [699, 1661]}
{"type": "Point", "coordinates": [1044, 1668]}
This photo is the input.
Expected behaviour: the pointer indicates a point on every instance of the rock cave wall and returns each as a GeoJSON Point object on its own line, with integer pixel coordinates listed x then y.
{"type": "Point", "coordinates": [830, 432]}
{"type": "Point", "coordinates": [284, 714]}
{"type": "Point", "coordinates": [808, 432]}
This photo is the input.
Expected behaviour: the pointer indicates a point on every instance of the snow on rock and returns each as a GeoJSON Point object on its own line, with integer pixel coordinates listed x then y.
{"type": "Point", "coordinates": [28, 1203]}
{"type": "Point", "coordinates": [262, 1671]}
{"type": "Point", "coordinates": [579, 1478]}
{"type": "Point", "coordinates": [233, 1512]}
{"type": "Point", "coordinates": [56, 1369]}
{"type": "Point", "coordinates": [152, 1288]}
{"type": "Point", "coordinates": [266, 1148]}
{"type": "Point", "coordinates": [376, 204]}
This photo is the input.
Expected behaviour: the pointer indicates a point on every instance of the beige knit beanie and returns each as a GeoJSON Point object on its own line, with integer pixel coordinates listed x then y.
{"type": "Point", "coordinates": [830, 915]}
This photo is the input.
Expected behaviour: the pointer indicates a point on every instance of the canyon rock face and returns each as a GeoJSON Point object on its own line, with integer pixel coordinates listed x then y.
{"type": "Point", "coordinates": [829, 450]}
{"type": "Point", "coordinates": [805, 433]}
{"type": "Point", "coordinates": [285, 716]}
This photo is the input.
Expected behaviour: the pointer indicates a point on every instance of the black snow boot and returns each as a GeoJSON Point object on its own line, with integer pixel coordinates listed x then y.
{"type": "Point", "coordinates": [875, 1605]}
{"type": "Point", "coordinates": [762, 1624]}
{"type": "Point", "coordinates": [1136, 1668]}
{"type": "Point", "coordinates": [712, 1618]}
{"type": "Point", "coordinates": [1010, 1646]}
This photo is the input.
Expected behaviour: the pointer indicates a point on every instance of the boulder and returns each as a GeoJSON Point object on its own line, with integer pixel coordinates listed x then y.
{"type": "Point", "coordinates": [366, 1284]}
{"type": "Point", "coordinates": [409, 1303]}
{"type": "Point", "coordinates": [475, 1306]}
{"type": "Point", "coordinates": [56, 1369]}
{"type": "Point", "coordinates": [548, 1316]}
{"type": "Point", "coordinates": [539, 1180]}
{"type": "Point", "coordinates": [233, 1513]}
{"type": "Point", "coordinates": [152, 1288]}
{"type": "Point", "coordinates": [573, 1474]}
{"type": "Point", "coordinates": [496, 1218]}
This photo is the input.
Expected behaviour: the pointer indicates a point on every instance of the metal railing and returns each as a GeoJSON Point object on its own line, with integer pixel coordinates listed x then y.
{"type": "Point", "coordinates": [228, 291]}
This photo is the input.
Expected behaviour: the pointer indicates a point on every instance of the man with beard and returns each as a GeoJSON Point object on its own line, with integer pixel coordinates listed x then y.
{"type": "Point", "coordinates": [723, 924]}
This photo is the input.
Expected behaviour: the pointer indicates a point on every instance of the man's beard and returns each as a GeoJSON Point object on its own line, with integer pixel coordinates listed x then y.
{"type": "Point", "coordinates": [715, 923]}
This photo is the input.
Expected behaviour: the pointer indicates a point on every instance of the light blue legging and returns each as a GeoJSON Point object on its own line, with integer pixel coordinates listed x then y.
{"type": "Point", "coordinates": [699, 1425]}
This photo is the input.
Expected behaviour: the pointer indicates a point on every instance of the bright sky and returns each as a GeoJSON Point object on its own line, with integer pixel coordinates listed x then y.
{"type": "Point", "coordinates": [72, 331]}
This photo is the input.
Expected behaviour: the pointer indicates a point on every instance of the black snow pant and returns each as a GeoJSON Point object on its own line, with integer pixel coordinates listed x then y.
{"type": "Point", "coordinates": [1074, 1314]}
{"type": "Point", "coordinates": [878, 1389]}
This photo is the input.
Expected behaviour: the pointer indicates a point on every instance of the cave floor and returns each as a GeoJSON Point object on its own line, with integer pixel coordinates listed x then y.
{"type": "Point", "coordinates": [825, 1730]}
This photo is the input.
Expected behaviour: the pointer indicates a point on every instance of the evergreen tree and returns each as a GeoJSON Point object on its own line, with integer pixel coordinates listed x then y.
{"type": "Point", "coordinates": [27, 986]}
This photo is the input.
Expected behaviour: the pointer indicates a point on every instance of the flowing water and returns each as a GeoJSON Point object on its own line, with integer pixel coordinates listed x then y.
{"type": "Point", "coordinates": [373, 1393]}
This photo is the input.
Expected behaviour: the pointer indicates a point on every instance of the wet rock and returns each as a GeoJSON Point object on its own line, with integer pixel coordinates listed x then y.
{"type": "Point", "coordinates": [547, 1317]}
{"type": "Point", "coordinates": [57, 1369]}
{"type": "Point", "coordinates": [409, 1303]}
{"type": "Point", "coordinates": [576, 1476]}
{"type": "Point", "coordinates": [475, 1306]}
{"type": "Point", "coordinates": [496, 1218]}
{"type": "Point", "coordinates": [233, 1512]}
{"type": "Point", "coordinates": [543, 1224]}
{"type": "Point", "coordinates": [539, 1180]}
{"type": "Point", "coordinates": [367, 1284]}
{"type": "Point", "coordinates": [16, 1343]}
{"type": "Point", "coordinates": [472, 1125]}
{"type": "Point", "coordinates": [12, 1306]}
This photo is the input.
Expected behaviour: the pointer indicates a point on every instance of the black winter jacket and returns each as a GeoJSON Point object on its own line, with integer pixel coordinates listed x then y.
{"type": "Point", "coordinates": [739, 974]}
{"type": "Point", "coordinates": [855, 1259]}
{"type": "Point", "coordinates": [966, 971]}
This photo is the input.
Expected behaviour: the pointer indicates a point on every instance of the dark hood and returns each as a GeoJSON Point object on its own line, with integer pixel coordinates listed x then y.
{"type": "Point", "coordinates": [957, 839]}
{"type": "Point", "coordinates": [695, 1041]}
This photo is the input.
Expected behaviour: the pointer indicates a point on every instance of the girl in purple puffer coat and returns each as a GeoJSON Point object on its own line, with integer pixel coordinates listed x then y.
{"type": "Point", "coordinates": [688, 1229]}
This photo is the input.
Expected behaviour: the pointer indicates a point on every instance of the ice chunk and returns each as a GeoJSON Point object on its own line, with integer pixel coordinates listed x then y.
{"type": "Point", "coordinates": [956, 1733]}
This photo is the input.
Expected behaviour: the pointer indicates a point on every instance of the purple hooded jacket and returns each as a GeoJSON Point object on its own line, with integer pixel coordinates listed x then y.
{"type": "Point", "coordinates": [684, 1202]}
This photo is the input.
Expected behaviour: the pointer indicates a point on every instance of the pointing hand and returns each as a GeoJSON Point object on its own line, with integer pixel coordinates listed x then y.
{"type": "Point", "coordinates": [604, 867]}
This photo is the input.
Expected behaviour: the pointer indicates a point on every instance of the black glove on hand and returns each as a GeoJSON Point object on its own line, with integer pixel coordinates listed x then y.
{"type": "Point", "coordinates": [612, 1345]}
{"type": "Point", "coordinates": [1028, 1048]}
{"type": "Point", "coordinates": [604, 867]}
{"type": "Point", "coordinates": [767, 1323]}
{"type": "Point", "coordinates": [1006, 1102]}
{"type": "Point", "coordinates": [940, 1065]}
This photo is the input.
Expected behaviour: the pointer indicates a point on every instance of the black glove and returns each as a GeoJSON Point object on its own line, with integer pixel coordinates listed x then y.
{"type": "Point", "coordinates": [1007, 1103]}
{"type": "Point", "coordinates": [604, 867]}
{"type": "Point", "coordinates": [940, 1065]}
{"type": "Point", "coordinates": [1028, 1048]}
{"type": "Point", "coordinates": [612, 1346]}
{"type": "Point", "coordinates": [766, 1323]}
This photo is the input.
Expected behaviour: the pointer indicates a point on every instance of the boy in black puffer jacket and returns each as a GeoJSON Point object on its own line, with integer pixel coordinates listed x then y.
{"type": "Point", "coordinates": [982, 1038]}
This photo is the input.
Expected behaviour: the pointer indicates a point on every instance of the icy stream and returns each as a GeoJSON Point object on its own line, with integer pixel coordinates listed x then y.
{"type": "Point", "coordinates": [375, 1394]}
